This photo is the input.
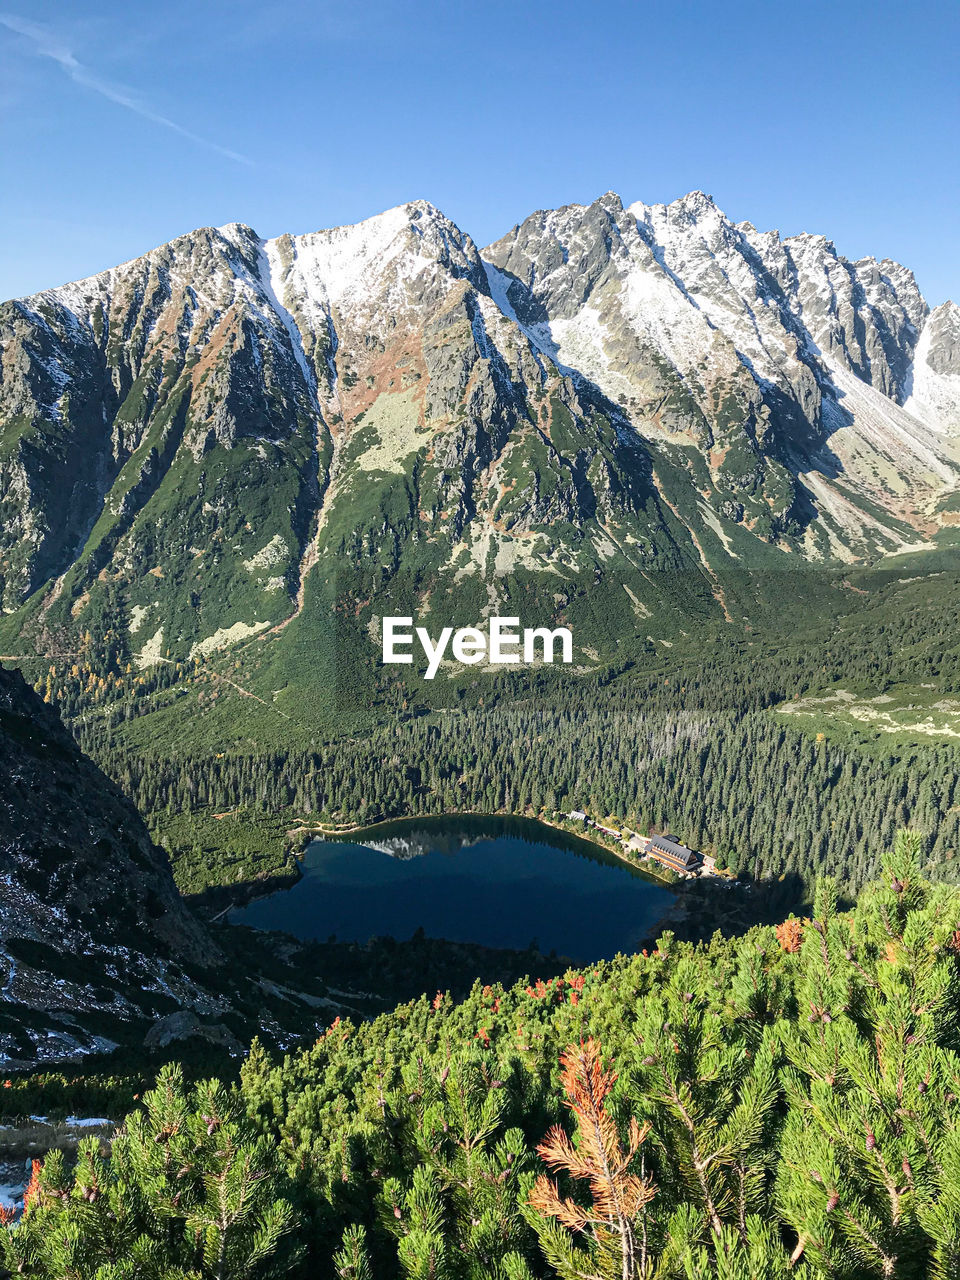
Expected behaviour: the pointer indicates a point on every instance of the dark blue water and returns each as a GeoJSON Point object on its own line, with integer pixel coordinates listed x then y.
{"type": "Point", "coordinates": [501, 882]}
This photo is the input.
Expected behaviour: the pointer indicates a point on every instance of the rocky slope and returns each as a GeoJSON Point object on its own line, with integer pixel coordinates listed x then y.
{"type": "Point", "coordinates": [97, 948]}
{"type": "Point", "coordinates": [786, 366]}
{"type": "Point", "coordinates": [94, 937]}
{"type": "Point", "coordinates": [639, 396]}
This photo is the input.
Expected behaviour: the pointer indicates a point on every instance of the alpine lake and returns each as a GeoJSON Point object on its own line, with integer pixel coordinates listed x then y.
{"type": "Point", "coordinates": [498, 882]}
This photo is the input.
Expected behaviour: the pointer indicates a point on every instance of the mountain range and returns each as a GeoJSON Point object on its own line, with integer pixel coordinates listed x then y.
{"type": "Point", "coordinates": [229, 434]}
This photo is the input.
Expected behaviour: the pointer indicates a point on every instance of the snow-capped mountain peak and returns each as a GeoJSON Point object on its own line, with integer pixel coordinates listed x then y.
{"type": "Point", "coordinates": [674, 387]}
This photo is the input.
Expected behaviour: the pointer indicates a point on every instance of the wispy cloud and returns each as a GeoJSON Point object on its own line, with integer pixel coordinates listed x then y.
{"type": "Point", "coordinates": [46, 45]}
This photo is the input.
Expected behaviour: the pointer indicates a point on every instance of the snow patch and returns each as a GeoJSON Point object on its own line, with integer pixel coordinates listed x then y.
{"type": "Point", "coordinates": [367, 263]}
{"type": "Point", "coordinates": [273, 281]}
{"type": "Point", "coordinates": [934, 397]}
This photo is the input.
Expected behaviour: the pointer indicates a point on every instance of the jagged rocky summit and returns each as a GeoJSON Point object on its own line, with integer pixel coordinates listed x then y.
{"type": "Point", "coordinates": [620, 395]}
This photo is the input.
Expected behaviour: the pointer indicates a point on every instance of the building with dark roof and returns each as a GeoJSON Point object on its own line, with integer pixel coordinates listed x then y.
{"type": "Point", "coordinates": [673, 854]}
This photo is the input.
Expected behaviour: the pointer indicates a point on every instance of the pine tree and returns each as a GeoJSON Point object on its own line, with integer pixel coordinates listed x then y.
{"type": "Point", "coordinates": [614, 1240]}
{"type": "Point", "coordinates": [872, 1125]}
{"type": "Point", "coordinates": [187, 1190]}
{"type": "Point", "coordinates": [352, 1262]}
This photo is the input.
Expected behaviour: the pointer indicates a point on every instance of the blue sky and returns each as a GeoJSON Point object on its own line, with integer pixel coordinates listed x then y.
{"type": "Point", "coordinates": [125, 124]}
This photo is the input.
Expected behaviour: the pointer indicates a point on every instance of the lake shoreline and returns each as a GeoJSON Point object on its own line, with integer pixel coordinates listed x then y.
{"type": "Point", "coordinates": [634, 914]}
{"type": "Point", "coordinates": [348, 829]}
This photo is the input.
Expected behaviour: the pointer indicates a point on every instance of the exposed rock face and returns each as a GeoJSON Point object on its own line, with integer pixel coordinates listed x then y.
{"type": "Point", "coordinates": [935, 376]}
{"type": "Point", "coordinates": [786, 365]}
{"type": "Point", "coordinates": [93, 934]}
{"type": "Point", "coordinates": [941, 350]}
{"type": "Point", "coordinates": [185, 1025]}
{"type": "Point", "coordinates": [115, 390]}
{"type": "Point", "coordinates": [187, 436]}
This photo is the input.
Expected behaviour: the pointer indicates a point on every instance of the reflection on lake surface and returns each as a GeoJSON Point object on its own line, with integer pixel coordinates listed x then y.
{"type": "Point", "coordinates": [501, 882]}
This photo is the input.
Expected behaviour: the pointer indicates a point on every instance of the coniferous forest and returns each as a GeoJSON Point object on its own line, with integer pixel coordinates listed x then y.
{"type": "Point", "coordinates": [783, 1104]}
{"type": "Point", "coordinates": [695, 741]}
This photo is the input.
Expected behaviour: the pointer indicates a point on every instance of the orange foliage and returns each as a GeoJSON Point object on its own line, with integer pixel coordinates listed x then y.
{"type": "Point", "coordinates": [32, 1194]}
{"type": "Point", "coordinates": [790, 935]}
{"type": "Point", "coordinates": [551, 990]}
{"type": "Point", "coordinates": [599, 1157]}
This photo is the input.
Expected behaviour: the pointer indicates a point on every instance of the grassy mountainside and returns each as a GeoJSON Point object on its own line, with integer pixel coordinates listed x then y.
{"type": "Point", "coordinates": [681, 734]}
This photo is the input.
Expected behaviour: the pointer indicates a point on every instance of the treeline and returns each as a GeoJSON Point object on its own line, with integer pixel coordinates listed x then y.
{"type": "Point", "coordinates": [767, 797]}
{"type": "Point", "coordinates": [685, 740]}
{"type": "Point", "coordinates": [784, 1104]}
